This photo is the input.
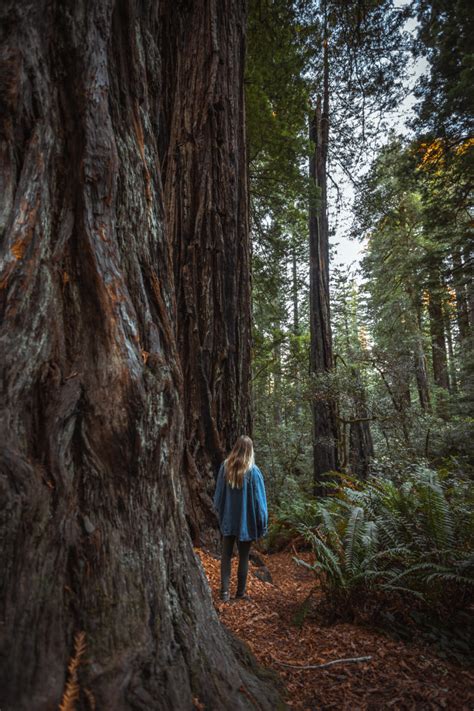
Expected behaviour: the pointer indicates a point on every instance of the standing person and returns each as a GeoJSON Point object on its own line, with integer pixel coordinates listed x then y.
{"type": "Point", "coordinates": [241, 504]}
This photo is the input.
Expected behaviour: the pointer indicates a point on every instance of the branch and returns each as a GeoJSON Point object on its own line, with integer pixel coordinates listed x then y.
{"type": "Point", "coordinates": [338, 356]}
{"type": "Point", "coordinates": [327, 664]}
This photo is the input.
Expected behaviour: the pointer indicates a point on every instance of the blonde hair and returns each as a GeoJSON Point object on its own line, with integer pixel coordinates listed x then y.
{"type": "Point", "coordinates": [239, 461]}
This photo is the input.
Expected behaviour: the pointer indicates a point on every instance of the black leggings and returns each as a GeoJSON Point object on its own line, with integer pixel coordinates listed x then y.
{"type": "Point", "coordinates": [244, 551]}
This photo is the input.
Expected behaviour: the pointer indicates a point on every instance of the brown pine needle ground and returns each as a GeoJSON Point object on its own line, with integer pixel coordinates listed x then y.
{"type": "Point", "coordinates": [398, 676]}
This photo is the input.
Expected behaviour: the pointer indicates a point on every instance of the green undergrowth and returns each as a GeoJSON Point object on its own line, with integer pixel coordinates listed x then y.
{"type": "Point", "coordinates": [392, 552]}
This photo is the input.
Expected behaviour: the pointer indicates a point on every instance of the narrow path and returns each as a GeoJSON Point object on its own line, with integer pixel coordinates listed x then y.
{"type": "Point", "coordinates": [399, 675]}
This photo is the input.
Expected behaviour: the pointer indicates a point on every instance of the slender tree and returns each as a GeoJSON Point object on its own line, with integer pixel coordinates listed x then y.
{"type": "Point", "coordinates": [321, 361]}
{"type": "Point", "coordinates": [438, 336]}
{"type": "Point", "coordinates": [361, 448]}
{"type": "Point", "coordinates": [462, 310]}
{"type": "Point", "coordinates": [421, 368]}
{"type": "Point", "coordinates": [95, 368]}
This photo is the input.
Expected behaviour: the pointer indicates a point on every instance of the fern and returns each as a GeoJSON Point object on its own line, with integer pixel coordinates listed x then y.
{"type": "Point", "coordinates": [71, 691]}
{"type": "Point", "coordinates": [411, 537]}
{"type": "Point", "coordinates": [352, 538]}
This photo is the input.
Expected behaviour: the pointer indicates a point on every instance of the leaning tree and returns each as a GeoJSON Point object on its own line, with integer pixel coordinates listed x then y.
{"type": "Point", "coordinates": [123, 348]}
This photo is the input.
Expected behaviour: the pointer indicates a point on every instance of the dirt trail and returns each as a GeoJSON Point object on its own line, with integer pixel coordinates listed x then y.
{"type": "Point", "coordinates": [398, 676]}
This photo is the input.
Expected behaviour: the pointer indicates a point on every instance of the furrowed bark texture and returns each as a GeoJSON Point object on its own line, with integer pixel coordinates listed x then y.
{"type": "Point", "coordinates": [325, 435]}
{"type": "Point", "coordinates": [204, 167]}
{"type": "Point", "coordinates": [92, 522]}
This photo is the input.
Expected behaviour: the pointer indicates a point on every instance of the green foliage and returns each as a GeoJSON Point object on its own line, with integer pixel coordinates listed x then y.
{"type": "Point", "coordinates": [412, 534]}
{"type": "Point", "coordinates": [413, 211]}
{"type": "Point", "coordinates": [413, 214]}
{"type": "Point", "coordinates": [277, 97]}
{"type": "Point", "coordinates": [284, 70]}
{"type": "Point", "coordinates": [447, 92]}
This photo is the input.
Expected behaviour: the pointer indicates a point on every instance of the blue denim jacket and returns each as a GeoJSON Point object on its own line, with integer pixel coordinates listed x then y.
{"type": "Point", "coordinates": [242, 512]}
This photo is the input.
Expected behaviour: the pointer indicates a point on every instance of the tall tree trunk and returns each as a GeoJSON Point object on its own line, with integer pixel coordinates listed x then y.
{"type": "Point", "coordinates": [462, 310]}
{"type": "Point", "coordinates": [296, 330]}
{"type": "Point", "coordinates": [94, 536]}
{"type": "Point", "coordinates": [324, 409]}
{"type": "Point", "coordinates": [294, 290]}
{"type": "Point", "coordinates": [421, 371]}
{"type": "Point", "coordinates": [277, 398]}
{"type": "Point", "coordinates": [451, 357]}
{"type": "Point", "coordinates": [468, 262]}
{"type": "Point", "coordinates": [205, 182]}
{"type": "Point", "coordinates": [438, 344]}
{"type": "Point", "coordinates": [361, 448]}
{"type": "Point", "coordinates": [401, 380]}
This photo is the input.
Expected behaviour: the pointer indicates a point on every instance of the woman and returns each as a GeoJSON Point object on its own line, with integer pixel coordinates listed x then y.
{"type": "Point", "coordinates": [241, 506]}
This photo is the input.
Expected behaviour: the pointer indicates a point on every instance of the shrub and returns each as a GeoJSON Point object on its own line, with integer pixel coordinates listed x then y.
{"type": "Point", "coordinates": [411, 535]}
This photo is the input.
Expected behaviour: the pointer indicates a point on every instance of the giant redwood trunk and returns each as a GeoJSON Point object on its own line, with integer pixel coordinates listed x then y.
{"type": "Point", "coordinates": [204, 173]}
{"type": "Point", "coordinates": [321, 357]}
{"type": "Point", "coordinates": [93, 382]}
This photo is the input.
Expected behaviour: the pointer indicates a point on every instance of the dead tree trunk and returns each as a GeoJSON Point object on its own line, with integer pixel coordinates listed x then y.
{"type": "Point", "coordinates": [205, 182]}
{"type": "Point", "coordinates": [321, 361]}
{"type": "Point", "coordinates": [93, 397]}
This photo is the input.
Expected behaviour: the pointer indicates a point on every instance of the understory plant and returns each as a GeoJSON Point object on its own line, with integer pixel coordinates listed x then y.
{"type": "Point", "coordinates": [411, 535]}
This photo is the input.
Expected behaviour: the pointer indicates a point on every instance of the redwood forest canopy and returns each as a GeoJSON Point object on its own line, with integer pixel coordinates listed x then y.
{"type": "Point", "coordinates": [174, 178]}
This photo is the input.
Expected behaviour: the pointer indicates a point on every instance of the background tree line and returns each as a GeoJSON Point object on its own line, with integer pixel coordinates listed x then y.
{"type": "Point", "coordinates": [398, 366]}
{"type": "Point", "coordinates": [363, 376]}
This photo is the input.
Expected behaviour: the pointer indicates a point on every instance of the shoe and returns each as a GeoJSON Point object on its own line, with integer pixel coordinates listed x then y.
{"type": "Point", "coordinates": [243, 597]}
{"type": "Point", "coordinates": [225, 596]}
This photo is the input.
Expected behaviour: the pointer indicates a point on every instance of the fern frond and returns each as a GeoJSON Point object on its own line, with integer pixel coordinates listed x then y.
{"type": "Point", "coordinates": [71, 691]}
{"type": "Point", "coordinates": [325, 556]}
{"type": "Point", "coordinates": [90, 698]}
{"type": "Point", "coordinates": [448, 575]}
{"type": "Point", "coordinates": [352, 536]}
{"type": "Point", "coordinates": [400, 588]}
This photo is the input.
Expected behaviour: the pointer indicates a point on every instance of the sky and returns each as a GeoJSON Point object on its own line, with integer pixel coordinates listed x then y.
{"type": "Point", "coordinates": [347, 251]}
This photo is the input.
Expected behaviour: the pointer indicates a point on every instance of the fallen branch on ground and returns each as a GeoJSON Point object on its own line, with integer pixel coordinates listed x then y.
{"type": "Point", "coordinates": [326, 664]}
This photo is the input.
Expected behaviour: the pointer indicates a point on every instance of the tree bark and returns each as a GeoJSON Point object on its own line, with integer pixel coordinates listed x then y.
{"type": "Point", "coordinates": [277, 396]}
{"type": "Point", "coordinates": [93, 396]}
{"type": "Point", "coordinates": [321, 357]}
{"type": "Point", "coordinates": [401, 380]}
{"type": "Point", "coordinates": [468, 268]}
{"type": "Point", "coordinates": [205, 183]}
{"type": "Point", "coordinates": [361, 446]}
{"type": "Point", "coordinates": [421, 370]}
{"type": "Point", "coordinates": [296, 331]}
{"type": "Point", "coordinates": [452, 375]}
{"type": "Point", "coordinates": [462, 310]}
{"type": "Point", "coordinates": [438, 344]}
{"type": "Point", "coordinates": [294, 289]}
{"type": "Point", "coordinates": [421, 379]}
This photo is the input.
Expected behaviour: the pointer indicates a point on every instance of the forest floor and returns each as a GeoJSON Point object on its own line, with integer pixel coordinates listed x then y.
{"type": "Point", "coordinates": [399, 675]}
